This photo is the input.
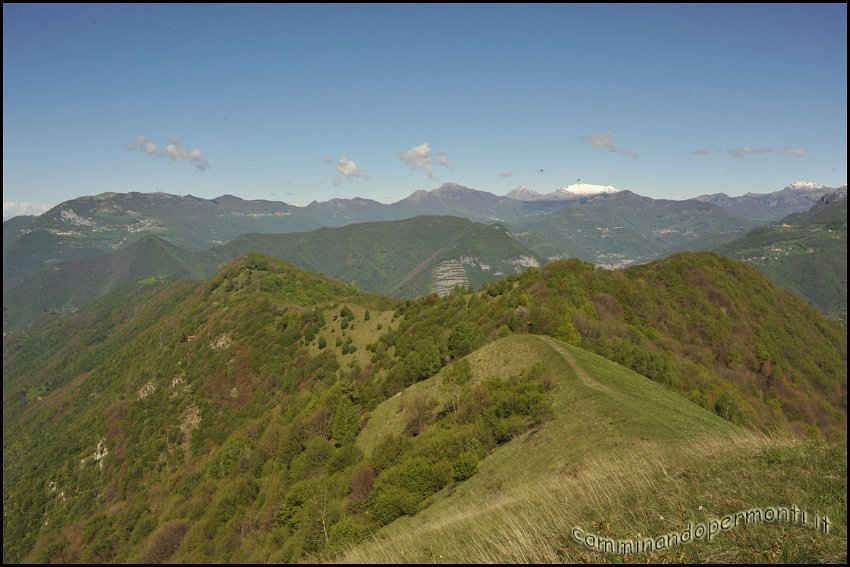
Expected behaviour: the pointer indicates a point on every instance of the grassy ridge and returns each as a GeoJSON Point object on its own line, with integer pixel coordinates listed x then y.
{"type": "Point", "coordinates": [621, 456]}
{"type": "Point", "coordinates": [647, 490]}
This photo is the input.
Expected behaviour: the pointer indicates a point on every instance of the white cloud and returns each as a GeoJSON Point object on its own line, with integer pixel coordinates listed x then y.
{"type": "Point", "coordinates": [747, 150]}
{"type": "Point", "coordinates": [348, 169]}
{"type": "Point", "coordinates": [799, 152]}
{"type": "Point", "coordinates": [174, 150]}
{"type": "Point", "coordinates": [701, 152]}
{"type": "Point", "coordinates": [16, 208]}
{"type": "Point", "coordinates": [420, 157]}
{"type": "Point", "coordinates": [143, 144]}
{"type": "Point", "coordinates": [605, 140]}
{"type": "Point", "coordinates": [505, 173]}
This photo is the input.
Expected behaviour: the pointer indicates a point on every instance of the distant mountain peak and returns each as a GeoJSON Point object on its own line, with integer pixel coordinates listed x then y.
{"type": "Point", "coordinates": [574, 191]}
{"type": "Point", "coordinates": [522, 193]}
{"type": "Point", "coordinates": [227, 198]}
{"type": "Point", "coordinates": [451, 187]}
{"type": "Point", "coordinates": [584, 189]}
{"type": "Point", "coordinates": [806, 186]}
{"type": "Point", "coordinates": [447, 194]}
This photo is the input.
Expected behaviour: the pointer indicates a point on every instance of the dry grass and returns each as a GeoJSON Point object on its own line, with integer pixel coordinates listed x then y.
{"type": "Point", "coordinates": [623, 459]}
{"type": "Point", "coordinates": [649, 491]}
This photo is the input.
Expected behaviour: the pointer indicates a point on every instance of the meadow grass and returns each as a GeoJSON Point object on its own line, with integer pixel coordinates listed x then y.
{"type": "Point", "coordinates": [622, 457]}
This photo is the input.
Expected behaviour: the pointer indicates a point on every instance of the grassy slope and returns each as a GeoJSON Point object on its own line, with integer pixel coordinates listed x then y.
{"type": "Point", "coordinates": [620, 454]}
{"type": "Point", "coordinates": [361, 332]}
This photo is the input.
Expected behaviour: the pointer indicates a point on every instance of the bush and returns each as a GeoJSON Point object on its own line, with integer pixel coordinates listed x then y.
{"type": "Point", "coordinates": [343, 458]}
{"type": "Point", "coordinates": [362, 482]}
{"type": "Point", "coordinates": [464, 466]}
{"type": "Point", "coordinates": [388, 452]}
{"type": "Point", "coordinates": [348, 531]}
{"type": "Point", "coordinates": [165, 541]}
{"type": "Point", "coordinates": [416, 476]}
{"type": "Point", "coordinates": [392, 503]}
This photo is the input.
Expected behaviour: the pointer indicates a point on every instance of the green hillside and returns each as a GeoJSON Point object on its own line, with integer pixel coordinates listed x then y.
{"type": "Point", "coordinates": [805, 252]}
{"type": "Point", "coordinates": [398, 258]}
{"type": "Point", "coordinates": [68, 286]}
{"type": "Point", "coordinates": [254, 417]}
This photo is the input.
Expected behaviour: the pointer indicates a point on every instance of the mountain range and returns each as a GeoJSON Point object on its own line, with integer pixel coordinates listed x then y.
{"type": "Point", "coordinates": [90, 226]}
{"type": "Point", "coordinates": [84, 248]}
{"type": "Point", "coordinates": [619, 229]}
{"type": "Point", "coordinates": [768, 207]}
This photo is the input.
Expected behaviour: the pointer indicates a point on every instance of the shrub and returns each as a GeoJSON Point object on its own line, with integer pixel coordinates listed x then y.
{"type": "Point", "coordinates": [417, 414]}
{"type": "Point", "coordinates": [388, 452]}
{"type": "Point", "coordinates": [362, 482]}
{"type": "Point", "coordinates": [417, 476]}
{"type": "Point", "coordinates": [392, 503]}
{"type": "Point", "coordinates": [165, 541]}
{"type": "Point", "coordinates": [464, 466]}
{"type": "Point", "coordinates": [348, 531]}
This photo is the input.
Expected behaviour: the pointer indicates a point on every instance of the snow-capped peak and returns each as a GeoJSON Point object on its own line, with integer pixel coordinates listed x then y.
{"type": "Point", "coordinates": [806, 186]}
{"type": "Point", "coordinates": [585, 189]}
{"type": "Point", "coordinates": [522, 192]}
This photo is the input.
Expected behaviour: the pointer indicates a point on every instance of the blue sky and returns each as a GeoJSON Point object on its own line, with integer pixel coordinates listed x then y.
{"type": "Point", "coordinates": [297, 103]}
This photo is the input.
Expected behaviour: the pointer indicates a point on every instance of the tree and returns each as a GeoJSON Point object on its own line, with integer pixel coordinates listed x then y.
{"type": "Point", "coordinates": [362, 482]}
{"type": "Point", "coordinates": [455, 379]}
{"type": "Point", "coordinates": [462, 341]}
{"type": "Point", "coordinates": [418, 414]}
